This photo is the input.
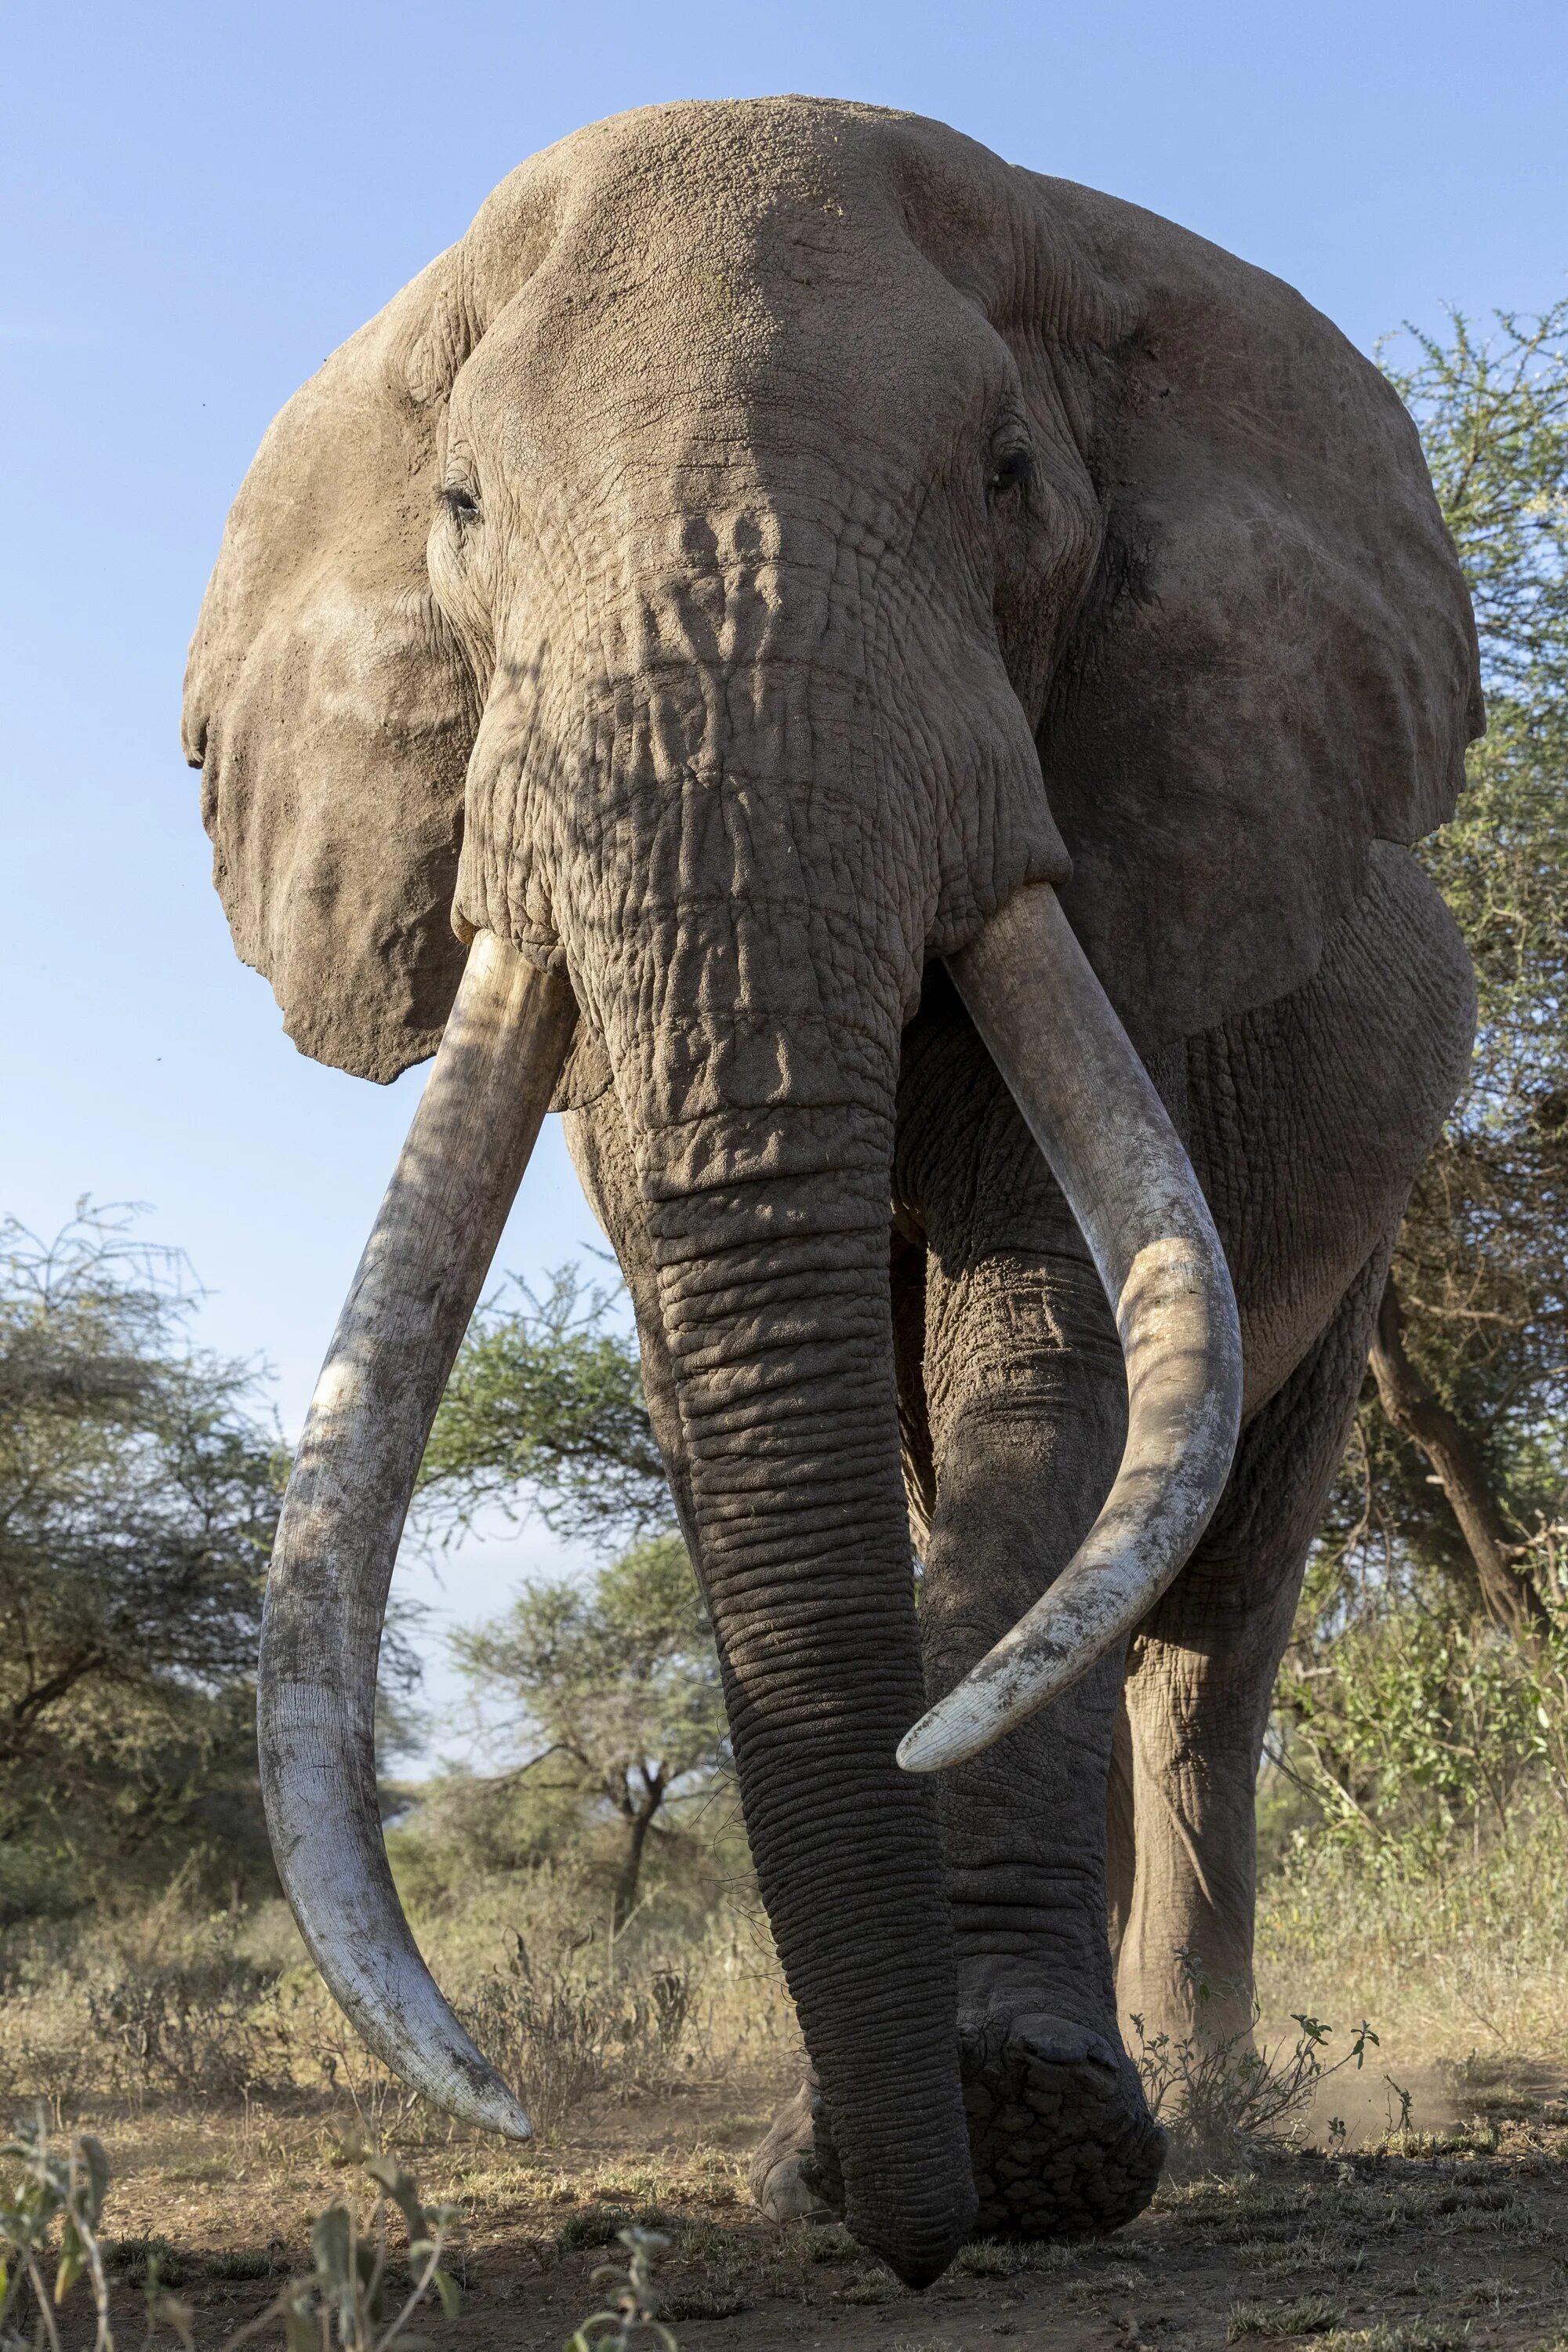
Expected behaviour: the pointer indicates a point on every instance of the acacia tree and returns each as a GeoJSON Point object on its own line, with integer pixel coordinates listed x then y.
{"type": "Point", "coordinates": [1472, 1339]}
{"type": "Point", "coordinates": [616, 1679]}
{"type": "Point", "coordinates": [138, 1499]}
{"type": "Point", "coordinates": [1429, 1665]}
{"type": "Point", "coordinates": [619, 1679]}
{"type": "Point", "coordinates": [545, 1411]}
{"type": "Point", "coordinates": [1471, 1355]}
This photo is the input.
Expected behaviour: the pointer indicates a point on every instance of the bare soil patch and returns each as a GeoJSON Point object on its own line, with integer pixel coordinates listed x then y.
{"type": "Point", "coordinates": [1416, 2243]}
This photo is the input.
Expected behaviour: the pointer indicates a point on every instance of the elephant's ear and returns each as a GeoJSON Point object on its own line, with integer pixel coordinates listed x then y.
{"type": "Point", "coordinates": [330, 708]}
{"type": "Point", "coordinates": [1275, 664]}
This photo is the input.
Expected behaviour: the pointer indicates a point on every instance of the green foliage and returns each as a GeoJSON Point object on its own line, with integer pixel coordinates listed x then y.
{"type": "Point", "coordinates": [346, 2298]}
{"type": "Point", "coordinates": [1427, 1721]}
{"type": "Point", "coordinates": [1482, 1256]}
{"type": "Point", "coordinates": [1406, 1716]}
{"type": "Point", "coordinates": [465, 1827]}
{"type": "Point", "coordinates": [613, 1684]}
{"type": "Point", "coordinates": [545, 1409]}
{"type": "Point", "coordinates": [611, 1672]}
{"type": "Point", "coordinates": [137, 1504]}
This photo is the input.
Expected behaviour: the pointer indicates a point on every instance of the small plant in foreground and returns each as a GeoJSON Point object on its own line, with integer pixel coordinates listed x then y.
{"type": "Point", "coordinates": [1218, 2094]}
{"type": "Point", "coordinates": [348, 2287]}
{"type": "Point", "coordinates": [345, 2297]}
{"type": "Point", "coordinates": [69, 2189]}
{"type": "Point", "coordinates": [636, 2300]}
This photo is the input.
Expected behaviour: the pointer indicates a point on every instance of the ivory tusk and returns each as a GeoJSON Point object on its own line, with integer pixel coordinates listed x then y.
{"type": "Point", "coordinates": [1107, 1138]}
{"type": "Point", "coordinates": [353, 1477]}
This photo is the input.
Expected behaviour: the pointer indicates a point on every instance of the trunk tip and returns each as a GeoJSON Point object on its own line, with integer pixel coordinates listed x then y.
{"type": "Point", "coordinates": [918, 2256]}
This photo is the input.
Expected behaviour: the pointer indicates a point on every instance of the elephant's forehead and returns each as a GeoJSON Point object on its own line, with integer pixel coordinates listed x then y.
{"type": "Point", "coordinates": [782, 189]}
{"type": "Point", "coordinates": [764, 248]}
{"type": "Point", "coordinates": [734, 161]}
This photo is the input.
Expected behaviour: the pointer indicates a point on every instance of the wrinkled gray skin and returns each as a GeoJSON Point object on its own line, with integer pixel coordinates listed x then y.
{"type": "Point", "coordinates": [777, 532]}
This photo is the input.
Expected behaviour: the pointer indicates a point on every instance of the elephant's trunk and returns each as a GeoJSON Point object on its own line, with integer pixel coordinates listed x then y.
{"type": "Point", "coordinates": [775, 1297]}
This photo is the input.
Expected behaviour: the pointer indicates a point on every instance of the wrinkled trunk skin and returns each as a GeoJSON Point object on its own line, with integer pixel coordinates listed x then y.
{"type": "Point", "coordinates": [818, 1643]}
{"type": "Point", "coordinates": [745, 981]}
{"type": "Point", "coordinates": [1020, 1374]}
{"type": "Point", "coordinates": [776, 1311]}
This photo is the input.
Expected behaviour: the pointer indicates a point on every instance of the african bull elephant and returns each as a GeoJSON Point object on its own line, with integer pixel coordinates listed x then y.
{"type": "Point", "coordinates": [896, 692]}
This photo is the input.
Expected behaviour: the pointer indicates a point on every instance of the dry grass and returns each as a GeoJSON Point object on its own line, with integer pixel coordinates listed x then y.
{"type": "Point", "coordinates": [170, 2006]}
{"type": "Point", "coordinates": [227, 2088]}
{"type": "Point", "coordinates": [1471, 1958]}
{"type": "Point", "coordinates": [1309, 2314]}
{"type": "Point", "coordinates": [1462, 2236]}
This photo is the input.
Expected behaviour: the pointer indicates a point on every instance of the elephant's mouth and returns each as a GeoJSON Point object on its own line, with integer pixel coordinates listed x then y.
{"type": "Point", "coordinates": [1091, 1108]}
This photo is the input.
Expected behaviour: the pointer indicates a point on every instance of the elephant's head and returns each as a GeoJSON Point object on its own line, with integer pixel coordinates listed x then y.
{"type": "Point", "coordinates": [738, 572]}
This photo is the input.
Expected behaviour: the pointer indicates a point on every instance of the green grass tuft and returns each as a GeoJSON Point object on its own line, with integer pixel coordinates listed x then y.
{"type": "Point", "coordinates": [1309, 2314]}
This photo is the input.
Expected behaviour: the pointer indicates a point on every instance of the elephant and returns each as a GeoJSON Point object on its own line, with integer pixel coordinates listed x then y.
{"type": "Point", "coordinates": [897, 694]}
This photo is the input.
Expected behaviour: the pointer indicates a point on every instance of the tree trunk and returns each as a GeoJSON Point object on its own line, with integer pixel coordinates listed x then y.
{"type": "Point", "coordinates": [1510, 1598]}
{"type": "Point", "coordinates": [640, 1821]}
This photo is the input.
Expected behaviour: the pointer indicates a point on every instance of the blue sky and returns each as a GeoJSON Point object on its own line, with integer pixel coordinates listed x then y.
{"type": "Point", "coordinates": [199, 202]}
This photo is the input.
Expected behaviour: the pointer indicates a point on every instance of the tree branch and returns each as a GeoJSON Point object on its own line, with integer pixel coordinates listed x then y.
{"type": "Point", "coordinates": [1413, 1406]}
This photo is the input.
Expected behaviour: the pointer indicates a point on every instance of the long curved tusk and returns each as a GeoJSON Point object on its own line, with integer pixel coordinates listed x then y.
{"type": "Point", "coordinates": [1106, 1137]}
{"type": "Point", "coordinates": [354, 1475]}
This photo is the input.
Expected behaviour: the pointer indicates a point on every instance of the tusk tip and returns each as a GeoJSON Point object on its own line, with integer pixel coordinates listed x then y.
{"type": "Point", "coordinates": [500, 2112]}
{"type": "Point", "coordinates": [469, 2087]}
{"type": "Point", "coordinates": [936, 1741]}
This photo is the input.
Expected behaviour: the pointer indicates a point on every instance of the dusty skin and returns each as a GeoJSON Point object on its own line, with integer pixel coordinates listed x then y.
{"type": "Point", "coordinates": [777, 548]}
{"type": "Point", "coordinates": [1413, 2242]}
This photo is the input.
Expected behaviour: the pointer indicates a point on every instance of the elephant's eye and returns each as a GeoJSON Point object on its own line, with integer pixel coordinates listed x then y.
{"type": "Point", "coordinates": [1011, 470]}
{"type": "Point", "coordinates": [460, 504]}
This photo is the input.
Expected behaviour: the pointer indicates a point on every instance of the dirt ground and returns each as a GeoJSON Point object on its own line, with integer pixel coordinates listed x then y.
{"type": "Point", "coordinates": [1425, 2242]}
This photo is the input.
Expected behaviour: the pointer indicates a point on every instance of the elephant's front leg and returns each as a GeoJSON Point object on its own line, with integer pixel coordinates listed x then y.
{"type": "Point", "coordinates": [1198, 1695]}
{"type": "Point", "coordinates": [1027, 1403]}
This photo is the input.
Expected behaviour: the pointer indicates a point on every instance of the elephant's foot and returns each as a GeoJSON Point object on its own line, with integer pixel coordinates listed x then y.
{"type": "Point", "coordinates": [1062, 2137]}
{"type": "Point", "coordinates": [794, 2174]}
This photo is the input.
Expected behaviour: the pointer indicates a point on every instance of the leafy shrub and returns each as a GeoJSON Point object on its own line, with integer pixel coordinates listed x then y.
{"type": "Point", "coordinates": [1218, 2094]}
